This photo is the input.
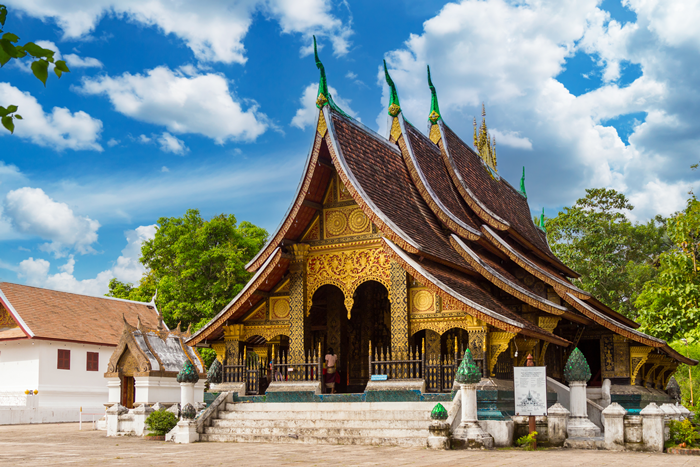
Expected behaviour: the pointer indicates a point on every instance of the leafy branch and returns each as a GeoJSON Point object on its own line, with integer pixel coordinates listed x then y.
{"type": "Point", "coordinates": [40, 66]}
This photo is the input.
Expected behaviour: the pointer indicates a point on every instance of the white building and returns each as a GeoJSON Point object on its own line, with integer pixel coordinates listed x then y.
{"type": "Point", "coordinates": [59, 345]}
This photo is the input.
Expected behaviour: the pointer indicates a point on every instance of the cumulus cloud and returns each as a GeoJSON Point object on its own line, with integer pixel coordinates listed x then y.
{"type": "Point", "coordinates": [75, 61]}
{"type": "Point", "coordinates": [33, 212]}
{"type": "Point", "coordinates": [306, 114]}
{"type": "Point", "coordinates": [58, 130]}
{"type": "Point", "coordinates": [509, 56]}
{"type": "Point", "coordinates": [214, 30]}
{"type": "Point", "coordinates": [199, 103]}
{"type": "Point", "coordinates": [169, 143]}
{"type": "Point", "coordinates": [127, 268]}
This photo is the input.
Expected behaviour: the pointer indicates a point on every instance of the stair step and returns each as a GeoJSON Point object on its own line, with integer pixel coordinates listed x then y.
{"type": "Point", "coordinates": [325, 432]}
{"type": "Point", "coordinates": [326, 423]}
{"type": "Point", "coordinates": [344, 440]}
{"type": "Point", "coordinates": [324, 415]}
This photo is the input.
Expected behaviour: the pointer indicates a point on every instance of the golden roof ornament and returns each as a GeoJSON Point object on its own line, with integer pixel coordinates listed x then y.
{"type": "Point", "coordinates": [483, 143]}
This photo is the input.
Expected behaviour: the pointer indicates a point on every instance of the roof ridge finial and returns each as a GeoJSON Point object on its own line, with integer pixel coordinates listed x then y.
{"type": "Point", "coordinates": [434, 109]}
{"type": "Point", "coordinates": [522, 184]}
{"type": "Point", "coordinates": [394, 106]}
{"type": "Point", "coordinates": [322, 97]}
{"type": "Point", "coordinates": [542, 222]}
{"type": "Point", "coordinates": [485, 145]}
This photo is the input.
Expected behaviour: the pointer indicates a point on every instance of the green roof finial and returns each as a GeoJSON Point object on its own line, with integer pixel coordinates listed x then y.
{"type": "Point", "coordinates": [468, 372]}
{"type": "Point", "coordinates": [322, 97]}
{"type": "Point", "coordinates": [394, 107]}
{"type": "Point", "coordinates": [542, 221]}
{"type": "Point", "coordinates": [576, 368]}
{"type": "Point", "coordinates": [434, 109]}
{"type": "Point", "coordinates": [522, 184]}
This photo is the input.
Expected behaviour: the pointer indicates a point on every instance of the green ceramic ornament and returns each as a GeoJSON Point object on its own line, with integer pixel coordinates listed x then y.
{"type": "Point", "coordinates": [188, 374]}
{"type": "Point", "coordinates": [214, 374]}
{"type": "Point", "coordinates": [576, 368]}
{"type": "Point", "coordinates": [468, 371]}
{"type": "Point", "coordinates": [439, 412]}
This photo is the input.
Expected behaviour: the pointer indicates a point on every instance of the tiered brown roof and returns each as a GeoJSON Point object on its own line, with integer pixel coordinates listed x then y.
{"type": "Point", "coordinates": [50, 314]}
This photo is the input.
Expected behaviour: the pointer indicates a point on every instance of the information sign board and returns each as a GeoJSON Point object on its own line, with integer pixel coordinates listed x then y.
{"type": "Point", "coordinates": [530, 385]}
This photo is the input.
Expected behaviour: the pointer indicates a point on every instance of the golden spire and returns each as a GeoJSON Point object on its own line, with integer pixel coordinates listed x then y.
{"type": "Point", "coordinates": [484, 145]}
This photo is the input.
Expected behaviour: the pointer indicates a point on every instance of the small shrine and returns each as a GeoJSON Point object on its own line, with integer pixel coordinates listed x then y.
{"type": "Point", "coordinates": [144, 367]}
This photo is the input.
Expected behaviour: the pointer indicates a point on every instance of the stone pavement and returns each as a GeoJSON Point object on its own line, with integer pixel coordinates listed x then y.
{"type": "Point", "coordinates": [62, 444]}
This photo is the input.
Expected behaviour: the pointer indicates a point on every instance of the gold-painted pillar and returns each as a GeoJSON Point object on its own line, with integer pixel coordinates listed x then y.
{"type": "Point", "coordinates": [220, 349]}
{"type": "Point", "coordinates": [498, 343]}
{"type": "Point", "coordinates": [233, 335]}
{"type": "Point", "coordinates": [477, 345]}
{"type": "Point", "coordinates": [297, 301]}
{"type": "Point", "coordinates": [399, 308]}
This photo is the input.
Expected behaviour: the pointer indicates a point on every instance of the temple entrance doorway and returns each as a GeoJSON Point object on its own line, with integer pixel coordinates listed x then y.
{"type": "Point", "coordinates": [328, 326]}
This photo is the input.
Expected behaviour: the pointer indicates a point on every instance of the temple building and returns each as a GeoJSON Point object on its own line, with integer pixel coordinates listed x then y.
{"type": "Point", "coordinates": [54, 350]}
{"type": "Point", "coordinates": [406, 249]}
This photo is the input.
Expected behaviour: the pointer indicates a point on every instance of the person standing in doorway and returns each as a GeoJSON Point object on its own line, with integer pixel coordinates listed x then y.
{"type": "Point", "coordinates": [331, 376]}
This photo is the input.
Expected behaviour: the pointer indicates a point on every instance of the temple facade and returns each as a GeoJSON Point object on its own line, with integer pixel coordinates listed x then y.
{"type": "Point", "coordinates": [401, 251]}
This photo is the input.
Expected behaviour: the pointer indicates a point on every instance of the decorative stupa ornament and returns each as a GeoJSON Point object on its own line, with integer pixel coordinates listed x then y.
{"type": "Point", "coordinates": [522, 184]}
{"type": "Point", "coordinates": [394, 106]}
{"type": "Point", "coordinates": [576, 368]}
{"type": "Point", "coordinates": [484, 144]}
{"type": "Point", "coordinates": [188, 374]}
{"type": "Point", "coordinates": [468, 371]}
{"type": "Point", "coordinates": [438, 412]}
{"type": "Point", "coordinates": [214, 375]}
{"type": "Point", "coordinates": [323, 95]}
{"type": "Point", "coordinates": [673, 389]}
{"type": "Point", "coordinates": [434, 108]}
{"type": "Point", "coordinates": [188, 411]}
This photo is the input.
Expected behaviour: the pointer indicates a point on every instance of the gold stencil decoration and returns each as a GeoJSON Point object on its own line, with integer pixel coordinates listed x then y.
{"type": "Point", "coordinates": [258, 315]}
{"type": "Point", "coordinates": [423, 301]}
{"type": "Point", "coordinates": [346, 222]}
{"type": "Point", "coordinates": [322, 127]}
{"type": "Point", "coordinates": [280, 308]}
{"type": "Point", "coordinates": [343, 193]}
{"type": "Point", "coordinates": [347, 270]}
{"type": "Point", "coordinates": [6, 320]}
{"type": "Point", "coordinates": [435, 136]}
{"type": "Point", "coordinates": [358, 221]}
{"type": "Point", "coordinates": [220, 349]}
{"type": "Point", "coordinates": [336, 223]}
{"type": "Point", "coordinates": [395, 129]}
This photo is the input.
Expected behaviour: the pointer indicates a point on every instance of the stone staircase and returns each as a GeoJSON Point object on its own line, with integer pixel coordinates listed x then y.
{"type": "Point", "coordinates": [366, 423]}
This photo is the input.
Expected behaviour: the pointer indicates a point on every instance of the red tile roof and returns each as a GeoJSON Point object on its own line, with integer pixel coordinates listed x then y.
{"type": "Point", "coordinates": [49, 314]}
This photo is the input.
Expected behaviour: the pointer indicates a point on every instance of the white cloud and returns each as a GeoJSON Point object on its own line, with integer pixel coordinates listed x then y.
{"type": "Point", "coordinates": [58, 130]}
{"type": "Point", "coordinates": [75, 61]}
{"type": "Point", "coordinates": [199, 104]}
{"type": "Point", "coordinates": [511, 139]}
{"type": "Point", "coordinates": [509, 55]}
{"type": "Point", "coordinates": [169, 143]}
{"type": "Point", "coordinates": [112, 142]}
{"type": "Point", "coordinates": [32, 212]}
{"type": "Point", "coordinates": [144, 139]}
{"type": "Point", "coordinates": [127, 268]}
{"type": "Point", "coordinates": [306, 114]}
{"type": "Point", "coordinates": [164, 169]}
{"type": "Point", "coordinates": [214, 30]}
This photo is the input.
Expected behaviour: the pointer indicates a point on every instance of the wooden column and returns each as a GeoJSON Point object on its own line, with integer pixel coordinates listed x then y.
{"type": "Point", "coordinates": [232, 338]}
{"type": "Point", "coordinates": [297, 302]}
{"type": "Point", "coordinates": [399, 309]}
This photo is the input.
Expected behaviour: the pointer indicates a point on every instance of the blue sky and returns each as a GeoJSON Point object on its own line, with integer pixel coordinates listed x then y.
{"type": "Point", "coordinates": [209, 105]}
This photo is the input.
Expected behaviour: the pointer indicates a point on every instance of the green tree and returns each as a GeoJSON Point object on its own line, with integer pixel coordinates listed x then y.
{"type": "Point", "coordinates": [196, 265]}
{"type": "Point", "coordinates": [614, 256]}
{"type": "Point", "coordinates": [40, 66]}
{"type": "Point", "coordinates": [670, 304]}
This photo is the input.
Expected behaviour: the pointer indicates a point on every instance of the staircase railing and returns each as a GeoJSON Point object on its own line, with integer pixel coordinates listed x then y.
{"type": "Point", "coordinates": [310, 370]}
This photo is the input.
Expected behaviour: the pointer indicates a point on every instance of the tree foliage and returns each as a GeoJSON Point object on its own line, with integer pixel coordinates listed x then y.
{"type": "Point", "coordinates": [196, 265]}
{"type": "Point", "coordinates": [614, 256]}
{"type": "Point", "coordinates": [40, 65]}
{"type": "Point", "coordinates": [670, 304]}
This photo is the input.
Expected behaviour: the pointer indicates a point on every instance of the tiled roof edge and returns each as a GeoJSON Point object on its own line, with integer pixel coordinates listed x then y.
{"type": "Point", "coordinates": [471, 232]}
{"type": "Point", "coordinates": [15, 315]}
{"type": "Point", "coordinates": [261, 270]}
{"type": "Point", "coordinates": [294, 200]}
{"type": "Point", "coordinates": [356, 185]}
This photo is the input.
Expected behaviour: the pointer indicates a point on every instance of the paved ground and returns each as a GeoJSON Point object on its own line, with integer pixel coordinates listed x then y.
{"type": "Point", "coordinates": [63, 444]}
